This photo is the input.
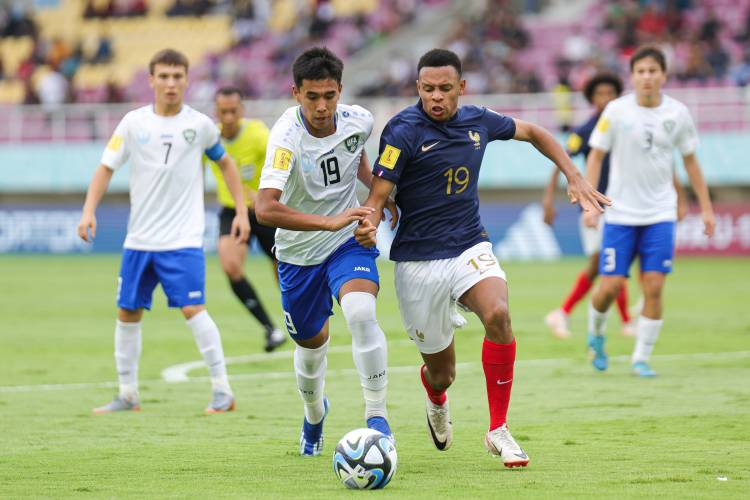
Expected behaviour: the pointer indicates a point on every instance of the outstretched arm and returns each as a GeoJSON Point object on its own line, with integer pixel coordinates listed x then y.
{"type": "Point", "coordinates": [682, 201]}
{"type": "Point", "coordinates": [271, 212]}
{"type": "Point", "coordinates": [240, 224]}
{"type": "Point", "coordinates": [695, 175]}
{"type": "Point", "coordinates": [380, 193]}
{"type": "Point", "coordinates": [593, 172]}
{"type": "Point", "coordinates": [548, 200]}
{"type": "Point", "coordinates": [97, 188]}
{"type": "Point", "coordinates": [579, 191]}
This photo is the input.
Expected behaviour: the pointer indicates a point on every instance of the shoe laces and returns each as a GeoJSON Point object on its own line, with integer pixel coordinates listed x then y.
{"type": "Point", "coordinates": [440, 414]}
{"type": "Point", "coordinates": [503, 435]}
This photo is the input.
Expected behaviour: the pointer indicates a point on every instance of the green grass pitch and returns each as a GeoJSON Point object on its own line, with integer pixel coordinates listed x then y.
{"type": "Point", "coordinates": [684, 434]}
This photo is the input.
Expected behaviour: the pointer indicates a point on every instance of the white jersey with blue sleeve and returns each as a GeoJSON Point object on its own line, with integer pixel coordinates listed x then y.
{"type": "Point", "coordinates": [166, 175]}
{"type": "Point", "coordinates": [315, 176]}
{"type": "Point", "coordinates": [641, 142]}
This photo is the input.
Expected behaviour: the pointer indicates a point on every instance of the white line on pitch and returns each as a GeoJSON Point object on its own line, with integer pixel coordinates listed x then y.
{"type": "Point", "coordinates": [393, 369]}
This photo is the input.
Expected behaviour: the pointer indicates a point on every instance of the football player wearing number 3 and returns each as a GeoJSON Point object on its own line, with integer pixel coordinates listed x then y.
{"type": "Point", "coordinates": [432, 153]}
{"type": "Point", "coordinates": [315, 155]}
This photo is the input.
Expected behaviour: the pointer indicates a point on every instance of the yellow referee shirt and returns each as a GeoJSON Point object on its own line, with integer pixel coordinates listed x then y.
{"type": "Point", "coordinates": [248, 150]}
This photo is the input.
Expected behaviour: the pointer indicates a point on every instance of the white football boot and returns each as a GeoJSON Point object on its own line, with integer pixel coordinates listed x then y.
{"type": "Point", "coordinates": [557, 321]}
{"type": "Point", "coordinates": [440, 425]}
{"type": "Point", "coordinates": [499, 442]}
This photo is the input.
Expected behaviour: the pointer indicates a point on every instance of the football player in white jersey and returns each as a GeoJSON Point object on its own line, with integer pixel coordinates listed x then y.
{"type": "Point", "coordinates": [640, 131]}
{"type": "Point", "coordinates": [315, 155]}
{"type": "Point", "coordinates": [164, 144]}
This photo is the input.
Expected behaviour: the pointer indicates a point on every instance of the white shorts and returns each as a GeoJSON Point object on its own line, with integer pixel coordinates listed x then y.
{"type": "Point", "coordinates": [428, 290]}
{"type": "Point", "coordinates": [591, 237]}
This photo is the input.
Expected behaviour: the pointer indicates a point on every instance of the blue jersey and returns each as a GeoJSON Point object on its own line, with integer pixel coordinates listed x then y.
{"type": "Point", "coordinates": [578, 144]}
{"type": "Point", "coordinates": [435, 166]}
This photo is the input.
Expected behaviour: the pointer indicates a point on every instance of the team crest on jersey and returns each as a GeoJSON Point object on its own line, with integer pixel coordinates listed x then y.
{"type": "Point", "coordinates": [474, 136]}
{"type": "Point", "coordinates": [669, 125]}
{"type": "Point", "coordinates": [189, 135]}
{"type": "Point", "coordinates": [142, 136]}
{"type": "Point", "coordinates": [351, 143]}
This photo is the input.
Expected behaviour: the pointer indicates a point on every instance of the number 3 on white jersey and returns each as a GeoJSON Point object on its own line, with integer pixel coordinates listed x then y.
{"type": "Point", "coordinates": [609, 259]}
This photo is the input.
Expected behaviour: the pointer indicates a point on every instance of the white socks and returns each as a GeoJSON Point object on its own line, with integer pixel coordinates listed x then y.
{"type": "Point", "coordinates": [310, 367]}
{"type": "Point", "coordinates": [369, 350]}
{"type": "Point", "coordinates": [597, 321]}
{"type": "Point", "coordinates": [127, 354]}
{"type": "Point", "coordinates": [207, 338]}
{"type": "Point", "coordinates": [648, 331]}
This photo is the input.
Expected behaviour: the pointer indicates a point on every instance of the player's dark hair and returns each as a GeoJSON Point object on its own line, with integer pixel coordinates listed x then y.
{"type": "Point", "coordinates": [229, 90]}
{"type": "Point", "coordinates": [317, 63]}
{"type": "Point", "coordinates": [169, 57]}
{"type": "Point", "coordinates": [602, 79]}
{"type": "Point", "coordinates": [437, 58]}
{"type": "Point", "coordinates": [649, 51]}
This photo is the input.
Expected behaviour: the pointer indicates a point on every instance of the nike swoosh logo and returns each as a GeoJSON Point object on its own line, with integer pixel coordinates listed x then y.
{"type": "Point", "coordinates": [521, 455]}
{"type": "Point", "coordinates": [427, 148]}
{"type": "Point", "coordinates": [503, 382]}
{"type": "Point", "coordinates": [440, 445]}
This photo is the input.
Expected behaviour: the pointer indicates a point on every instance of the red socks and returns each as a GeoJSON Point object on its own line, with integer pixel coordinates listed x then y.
{"type": "Point", "coordinates": [622, 303]}
{"type": "Point", "coordinates": [498, 360]}
{"type": "Point", "coordinates": [437, 397]}
{"type": "Point", "coordinates": [580, 289]}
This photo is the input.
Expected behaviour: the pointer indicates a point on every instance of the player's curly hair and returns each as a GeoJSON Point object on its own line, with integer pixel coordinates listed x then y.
{"type": "Point", "coordinates": [317, 63]}
{"type": "Point", "coordinates": [170, 57]}
{"type": "Point", "coordinates": [437, 58]}
{"type": "Point", "coordinates": [602, 79]}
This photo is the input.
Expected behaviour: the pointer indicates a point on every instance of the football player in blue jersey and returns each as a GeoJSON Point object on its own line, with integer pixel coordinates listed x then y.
{"type": "Point", "coordinates": [432, 152]}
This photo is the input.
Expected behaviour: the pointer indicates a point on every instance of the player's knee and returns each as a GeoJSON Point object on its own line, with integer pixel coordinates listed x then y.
{"type": "Point", "coordinates": [232, 268]}
{"type": "Point", "coordinates": [442, 379]}
{"type": "Point", "coordinates": [497, 317]}
{"type": "Point", "coordinates": [358, 307]}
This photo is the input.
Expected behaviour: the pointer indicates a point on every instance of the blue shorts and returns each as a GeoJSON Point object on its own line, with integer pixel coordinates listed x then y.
{"type": "Point", "coordinates": [653, 244]}
{"type": "Point", "coordinates": [306, 291]}
{"type": "Point", "coordinates": [182, 274]}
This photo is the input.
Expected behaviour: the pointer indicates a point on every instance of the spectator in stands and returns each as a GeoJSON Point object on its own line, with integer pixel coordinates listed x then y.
{"type": "Point", "coordinates": [250, 19]}
{"type": "Point", "coordinates": [129, 8]}
{"type": "Point", "coordinates": [711, 26]}
{"type": "Point", "coordinates": [104, 52]}
{"type": "Point", "coordinates": [741, 71]}
{"type": "Point", "coordinates": [17, 20]}
{"type": "Point", "coordinates": [717, 58]}
{"type": "Point", "coordinates": [52, 90]}
{"type": "Point", "coordinates": [196, 8]}
{"type": "Point", "coordinates": [72, 62]}
{"type": "Point", "coordinates": [97, 9]}
{"type": "Point", "coordinates": [696, 67]}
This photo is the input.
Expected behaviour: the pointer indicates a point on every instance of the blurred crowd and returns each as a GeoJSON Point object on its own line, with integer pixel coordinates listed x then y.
{"type": "Point", "coordinates": [502, 50]}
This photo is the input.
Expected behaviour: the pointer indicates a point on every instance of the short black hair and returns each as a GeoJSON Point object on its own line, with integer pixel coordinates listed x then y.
{"type": "Point", "coordinates": [437, 58]}
{"type": "Point", "coordinates": [229, 90]}
{"type": "Point", "coordinates": [649, 51]}
{"type": "Point", "coordinates": [602, 79]}
{"type": "Point", "coordinates": [317, 63]}
{"type": "Point", "coordinates": [170, 57]}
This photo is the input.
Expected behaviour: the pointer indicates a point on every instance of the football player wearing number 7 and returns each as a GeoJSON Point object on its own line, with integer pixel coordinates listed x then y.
{"type": "Point", "coordinates": [164, 144]}
{"type": "Point", "coordinates": [432, 153]}
{"type": "Point", "coordinates": [640, 131]}
{"type": "Point", "coordinates": [315, 155]}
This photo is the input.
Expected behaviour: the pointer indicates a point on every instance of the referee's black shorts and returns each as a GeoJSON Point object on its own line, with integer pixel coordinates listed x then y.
{"type": "Point", "coordinates": [264, 234]}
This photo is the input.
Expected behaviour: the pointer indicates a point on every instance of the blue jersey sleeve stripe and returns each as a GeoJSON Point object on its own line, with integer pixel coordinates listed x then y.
{"type": "Point", "coordinates": [215, 152]}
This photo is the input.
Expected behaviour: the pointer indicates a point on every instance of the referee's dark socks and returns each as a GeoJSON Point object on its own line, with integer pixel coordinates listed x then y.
{"type": "Point", "coordinates": [246, 293]}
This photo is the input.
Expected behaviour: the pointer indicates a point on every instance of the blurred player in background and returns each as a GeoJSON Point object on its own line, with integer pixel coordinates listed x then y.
{"type": "Point", "coordinates": [308, 190]}
{"type": "Point", "coordinates": [641, 130]}
{"type": "Point", "coordinates": [432, 152]}
{"type": "Point", "coordinates": [245, 141]}
{"type": "Point", "coordinates": [599, 91]}
{"type": "Point", "coordinates": [164, 144]}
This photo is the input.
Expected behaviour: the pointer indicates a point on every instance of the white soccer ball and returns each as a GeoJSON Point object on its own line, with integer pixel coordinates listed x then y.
{"type": "Point", "coordinates": [365, 459]}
